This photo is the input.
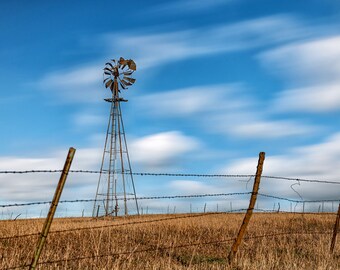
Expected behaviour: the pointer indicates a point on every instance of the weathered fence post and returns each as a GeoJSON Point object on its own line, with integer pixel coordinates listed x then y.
{"type": "Point", "coordinates": [335, 231]}
{"type": "Point", "coordinates": [53, 207]}
{"type": "Point", "coordinates": [250, 209]}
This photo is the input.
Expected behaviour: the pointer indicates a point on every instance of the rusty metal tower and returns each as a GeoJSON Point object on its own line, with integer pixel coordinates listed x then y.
{"type": "Point", "coordinates": [116, 193]}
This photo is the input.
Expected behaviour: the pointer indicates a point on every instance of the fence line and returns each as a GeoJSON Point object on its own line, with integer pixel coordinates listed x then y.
{"type": "Point", "coordinates": [176, 217]}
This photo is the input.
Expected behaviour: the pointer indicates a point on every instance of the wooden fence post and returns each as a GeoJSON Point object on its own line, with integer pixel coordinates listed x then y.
{"type": "Point", "coordinates": [335, 231]}
{"type": "Point", "coordinates": [250, 209]}
{"type": "Point", "coordinates": [53, 207]}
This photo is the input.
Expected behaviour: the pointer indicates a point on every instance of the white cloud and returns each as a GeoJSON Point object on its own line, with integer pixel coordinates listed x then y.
{"type": "Point", "coordinates": [224, 109]}
{"type": "Point", "coordinates": [41, 186]}
{"type": "Point", "coordinates": [319, 161]}
{"type": "Point", "coordinates": [319, 98]}
{"type": "Point", "coordinates": [313, 70]}
{"type": "Point", "coordinates": [86, 119]}
{"type": "Point", "coordinates": [81, 76]}
{"type": "Point", "coordinates": [269, 129]}
{"type": "Point", "coordinates": [309, 62]}
{"type": "Point", "coordinates": [192, 187]}
{"type": "Point", "coordinates": [162, 149]}
{"type": "Point", "coordinates": [80, 84]}
{"type": "Point", "coordinates": [153, 151]}
{"type": "Point", "coordinates": [193, 100]}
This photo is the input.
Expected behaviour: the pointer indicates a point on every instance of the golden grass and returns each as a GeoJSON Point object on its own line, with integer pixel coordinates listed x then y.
{"type": "Point", "coordinates": [171, 244]}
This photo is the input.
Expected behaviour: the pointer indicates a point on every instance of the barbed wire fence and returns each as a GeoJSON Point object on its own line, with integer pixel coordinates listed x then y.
{"type": "Point", "coordinates": [177, 217]}
{"type": "Point", "coordinates": [225, 177]}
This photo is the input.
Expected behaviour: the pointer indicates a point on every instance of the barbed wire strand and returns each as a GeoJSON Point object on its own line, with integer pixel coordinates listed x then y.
{"type": "Point", "coordinates": [132, 198]}
{"type": "Point", "coordinates": [178, 175]}
{"type": "Point", "coordinates": [173, 197]}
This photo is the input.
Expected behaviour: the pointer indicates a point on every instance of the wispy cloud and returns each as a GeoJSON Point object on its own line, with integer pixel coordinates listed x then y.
{"type": "Point", "coordinates": [153, 152]}
{"type": "Point", "coordinates": [162, 150]}
{"type": "Point", "coordinates": [41, 186]}
{"type": "Point", "coordinates": [315, 99]}
{"type": "Point", "coordinates": [193, 100]}
{"type": "Point", "coordinates": [152, 48]}
{"type": "Point", "coordinates": [226, 109]}
{"type": "Point", "coordinates": [88, 119]}
{"type": "Point", "coordinates": [315, 161]}
{"type": "Point", "coordinates": [313, 73]}
{"type": "Point", "coordinates": [79, 84]}
{"type": "Point", "coordinates": [308, 62]}
{"type": "Point", "coordinates": [158, 48]}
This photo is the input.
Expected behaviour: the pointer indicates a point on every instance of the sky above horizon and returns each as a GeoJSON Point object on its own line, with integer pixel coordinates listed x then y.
{"type": "Point", "coordinates": [218, 81]}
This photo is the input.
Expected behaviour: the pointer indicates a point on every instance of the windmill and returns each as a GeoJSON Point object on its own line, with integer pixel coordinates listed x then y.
{"type": "Point", "coordinates": [116, 190]}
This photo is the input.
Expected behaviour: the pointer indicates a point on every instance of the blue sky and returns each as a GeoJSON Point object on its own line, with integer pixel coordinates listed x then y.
{"type": "Point", "coordinates": [217, 82]}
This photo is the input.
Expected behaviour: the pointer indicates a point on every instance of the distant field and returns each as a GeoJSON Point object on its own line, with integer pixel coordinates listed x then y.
{"type": "Point", "coordinates": [200, 242]}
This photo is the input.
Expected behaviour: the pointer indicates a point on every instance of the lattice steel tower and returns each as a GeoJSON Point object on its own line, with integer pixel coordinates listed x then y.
{"type": "Point", "coordinates": [116, 193]}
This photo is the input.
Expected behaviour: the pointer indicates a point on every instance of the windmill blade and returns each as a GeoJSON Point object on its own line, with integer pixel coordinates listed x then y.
{"type": "Point", "coordinates": [126, 83]}
{"type": "Point", "coordinates": [108, 63]}
{"type": "Point", "coordinates": [124, 87]}
{"type": "Point", "coordinates": [131, 80]}
{"type": "Point", "coordinates": [107, 73]}
{"type": "Point", "coordinates": [108, 78]}
{"type": "Point", "coordinates": [108, 70]}
{"type": "Point", "coordinates": [108, 83]}
{"type": "Point", "coordinates": [123, 82]}
{"type": "Point", "coordinates": [127, 72]}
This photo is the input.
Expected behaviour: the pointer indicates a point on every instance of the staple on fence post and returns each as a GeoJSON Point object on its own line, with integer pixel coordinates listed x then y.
{"type": "Point", "coordinates": [53, 207]}
{"type": "Point", "coordinates": [250, 209]}
{"type": "Point", "coordinates": [335, 231]}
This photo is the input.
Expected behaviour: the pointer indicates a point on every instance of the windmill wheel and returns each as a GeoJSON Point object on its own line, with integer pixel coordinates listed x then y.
{"type": "Point", "coordinates": [121, 71]}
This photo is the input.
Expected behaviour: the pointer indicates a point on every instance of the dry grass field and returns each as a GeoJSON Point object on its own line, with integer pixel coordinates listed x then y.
{"type": "Point", "coordinates": [181, 242]}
